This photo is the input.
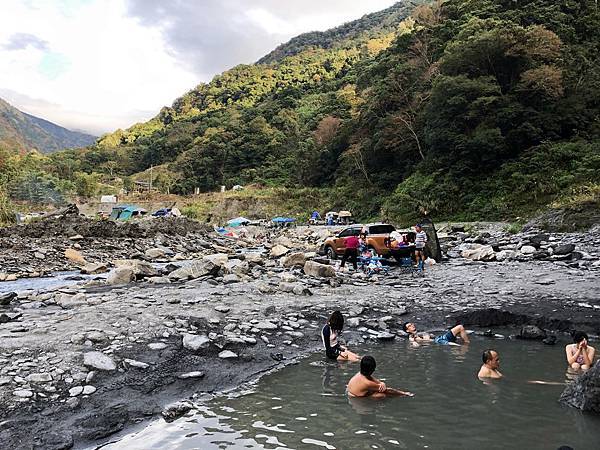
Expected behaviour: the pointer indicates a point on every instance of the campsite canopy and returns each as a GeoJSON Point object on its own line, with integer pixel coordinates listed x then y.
{"type": "Point", "coordinates": [238, 221]}
{"type": "Point", "coordinates": [127, 212]}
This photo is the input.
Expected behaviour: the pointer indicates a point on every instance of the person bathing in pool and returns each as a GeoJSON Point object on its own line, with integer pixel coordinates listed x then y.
{"type": "Point", "coordinates": [491, 365]}
{"type": "Point", "coordinates": [363, 384]}
{"type": "Point", "coordinates": [579, 354]}
{"type": "Point", "coordinates": [449, 337]}
{"type": "Point", "coordinates": [330, 334]}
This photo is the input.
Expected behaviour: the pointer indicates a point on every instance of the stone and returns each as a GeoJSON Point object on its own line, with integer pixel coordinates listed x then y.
{"type": "Point", "coordinates": [141, 269]}
{"type": "Point", "coordinates": [89, 390]}
{"type": "Point", "coordinates": [231, 279]}
{"type": "Point", "coordinates": [5, 299]}
{"type": "Point", "coordinates": [154, 253]}
{"type": "Point", "coordinates": [563, 249]}
{"type": "Point", "coordinates": [300, 289]}
{"type": "Point", "coordinates": [120, 275]}
{"type": "Point", "coordinates": [385, 336]}
{"type": "Point", "coordinates": [227, 354]}
{"type": "Point", "coordinates": [75, 391]}
{"type": "Point", "coordinates": [528, 250]}
{"type": "Point", "coordinates": [185, 376]}
{"type": "Point", "coordinates": [253, 258]}
{"type": "Point", "coordinates": [195, 342]}
{"type": "Point", "coordinates": [73, 255]}
{"type": "Point", "coordinates": [266, 325]}
{"type": "Point", "coordinates": [531, 332]}
{"type": "Point", "coordinates": [39, 377]}
{"type": "Point", "coordinates": [66, 301]}
{"type": "Point", "coordinates": [584, 392]}
{"type": "Point", "coordinates": [207, 266]}
{"type": "Point", "coordinates": [176, 410]}
{"type": "Point", "coordinates": [137, 364]}
{"type": "Point", "coordinates": [99, 361]}
{"type": "Point", "coordinates": [158, 280]}
{"type": "Point", "coordinates": [76, 237]}
{"type": "Point", "coordinates": [506, 255]}
{"type": "Point", "coordinates": [157, 346]}
{"type": "Point", "coordinates": [237, 267]}
{"type": "Point", "coordinates": [294, 260]}
{"type": "Point", "coordinates": [314, 269]}
{"type": "Point", "coordinates": [353, 322]}
{"type": "Point", "coordinates": [479, 252]}
{"type": "Point", "coordinates": [94, 268]}
{"type": "Point", "coordinates": [23, 393]}
{"type": "Point", "coordinates": [278, 251]}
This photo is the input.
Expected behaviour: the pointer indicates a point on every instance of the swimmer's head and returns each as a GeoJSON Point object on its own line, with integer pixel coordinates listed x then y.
{"type": "Point", "coordinates": [579, 336]}
{"type": "Point", "coordinates": [409, 327]}
{"type": "Point", "coordinates": [491, 358]}
{"type": "Point", "coordinates": [367, 365]}
{"type": "Point", "coordinates": [336, 321]}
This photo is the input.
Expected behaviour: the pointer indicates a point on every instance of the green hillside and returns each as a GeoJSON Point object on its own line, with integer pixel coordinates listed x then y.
{"type": "Point", "coordinates": [466, 109]}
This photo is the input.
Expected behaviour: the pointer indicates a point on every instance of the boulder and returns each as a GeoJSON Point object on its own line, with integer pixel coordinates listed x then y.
{"type": "Point", "coordinates": [584, 392]}
{"type": "Point", "coordinates": [141, 269]}
{"type": "Point", "coordinates": [195, 342]}
{"type": "Point", "coordinates": [70, 301]}
{"type": "Point", "coordinates": [154, 253]}
{"type": "Point", "coordinates": [253, 258]}
{"type": "Point", "coordinates": [528, 249]}
{"type": "Point", "coordinates": [478, 252]}
{"type": "Point", "coordinates": [176, 410]}
{"type": "Point", "coordinates": [218, 259]}
{"type": "Point", "coordinates": [94, 268]}
{"type": "Point", "coordinates": [563, 249]}
{"type": "Point", "coordinates": [207, 266]}
{"type": "Point", "coordinates": [294, 260]}
{"type": "Point", "coordinates": [279, 250]}
{"type": "Point", "coordinates": [506, 255]}
{"type": "Point", "coordinates": [537, 239]}
{"type": "Point", "coordinates": [315, 269]}
{"type": "Point", "coordinates": [73, 255]}
{"type": "Point", "coordinates": [121, 275]}
{"type": "Point", "coordinates": [5, 299]}
{"type": "Point", "coordinates": [227, 354]}
{"type": "Point", "coordinates": [231, 279]}
{"type": "Point", "coordinates": [99, 361]}
{"type": "Point", "coordinates": [237, 267]}
{"type": "Point", "coordinates": [532, 332]}
{"type": "Point", "coordinates": [300, 289]}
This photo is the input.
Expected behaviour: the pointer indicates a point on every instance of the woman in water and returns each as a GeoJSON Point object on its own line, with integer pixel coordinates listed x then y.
{"type": "Point", "coordinates": [579, 354]}
{"type": "Point", "coordinates": [330, 334]}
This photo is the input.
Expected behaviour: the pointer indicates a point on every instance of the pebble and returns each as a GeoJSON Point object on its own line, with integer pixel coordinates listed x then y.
{"type": "Point", "coordinates": [187, 375]}
{"type": "Point", "coordinates": [75, 391]}
{"type": "Point", "coordinates": [227, 354]}
{"type": "Point", "coordinates": [23, 393]}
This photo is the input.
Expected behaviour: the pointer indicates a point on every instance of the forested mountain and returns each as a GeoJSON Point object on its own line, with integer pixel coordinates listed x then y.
{"type": "Point", "coordinates": [20, 131]}
{"type": "Point", "coordinates": [466, 109]}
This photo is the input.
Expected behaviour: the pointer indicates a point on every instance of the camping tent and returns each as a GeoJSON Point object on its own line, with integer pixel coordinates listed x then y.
{"type": "Point", "coordinates": [127, 212]}
{"type": "Point", "coordinates": [283, 220]}
{"type": "Point", "coordinates": [238, 222]}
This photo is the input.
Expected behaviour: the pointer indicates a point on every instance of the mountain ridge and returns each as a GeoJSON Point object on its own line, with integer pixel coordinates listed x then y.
{"type": "Point", "coordinates": [20, 131]}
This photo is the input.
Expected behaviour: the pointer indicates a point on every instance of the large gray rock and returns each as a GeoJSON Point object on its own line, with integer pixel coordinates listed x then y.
{"type": "Point", "coordinates": [563, 249]}
{"type": "Point", "coordinates": [315, 269]}
{"type": "Point", "coordinates": [94, 268]}
{"type": "Point", "coordinates": [154, 253]}
{"type": "Point", "coordinates": [5, 299]}
{"type": "Point", "coordinates": [528, 249]}
{"type": "Point", "coordinates": [121, 275]}
{"type": "Point", "coordinates": [195, 342]}
{"type": "Point", "coordinates": [279, 250]}
{"type": "Point", "coordinates": [207, 266]}
{"type": "Point", "coordinates": [176, 410]}
{"type": "Point", "coordinates": [478, 252]}
{"type": "Point", "coordinates": [532, 332]}
{"type": "Point", "coordinates": [99, 361]}
{"type": "Point", "coordinates": [584, 392]}
{"type": "Point", "coordinates": [237, 267]}
{"type": "Point", "coordinates": [294, 260]}
{"type": "Point", "coordinates": [141, 269]}
{"type": "Point", "coordinates": [70, 301]}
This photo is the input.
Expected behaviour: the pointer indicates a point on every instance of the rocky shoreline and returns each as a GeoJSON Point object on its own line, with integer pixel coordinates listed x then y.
{"type": "Point", "coordinates": [81, 363]}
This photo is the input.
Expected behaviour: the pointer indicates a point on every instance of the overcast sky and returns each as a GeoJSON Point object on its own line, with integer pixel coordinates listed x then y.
{"type": "Point", "coordinates": [99, 65]}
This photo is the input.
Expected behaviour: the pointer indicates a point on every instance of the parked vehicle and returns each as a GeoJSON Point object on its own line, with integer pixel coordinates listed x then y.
{"type": "Point", "coordinates": [345, 218]}
{"type": "Point", "coordinates": [378, 240]}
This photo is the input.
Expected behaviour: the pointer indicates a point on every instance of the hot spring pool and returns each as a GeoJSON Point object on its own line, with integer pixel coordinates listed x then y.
{"type": "Point", "coordinates": [305, 406]}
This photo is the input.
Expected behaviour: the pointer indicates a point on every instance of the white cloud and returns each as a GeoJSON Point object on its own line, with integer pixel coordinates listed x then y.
{"type": "Point", "coordinates": [116, 71]}
{"type": "Point", "coordinates": [98, 65]}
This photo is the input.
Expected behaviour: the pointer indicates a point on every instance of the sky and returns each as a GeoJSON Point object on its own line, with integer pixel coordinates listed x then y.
{"type": "Point", "coordinates": [99, 65]}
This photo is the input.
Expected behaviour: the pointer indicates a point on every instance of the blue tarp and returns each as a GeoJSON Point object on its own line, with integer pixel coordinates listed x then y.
{"type": "Point", "coordinates": [283, 220]}
{"type": "Point", "coordinates": [238, 221]}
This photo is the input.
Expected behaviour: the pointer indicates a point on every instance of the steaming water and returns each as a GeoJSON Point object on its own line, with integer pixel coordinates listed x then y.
{"type": "Point", "coordinates": [305, 406]}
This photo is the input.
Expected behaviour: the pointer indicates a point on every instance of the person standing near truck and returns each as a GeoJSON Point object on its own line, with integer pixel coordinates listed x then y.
{"type": "Point", "coordinates": [420, 241]}
{"type": "Point", "coordinates": [351, 243]}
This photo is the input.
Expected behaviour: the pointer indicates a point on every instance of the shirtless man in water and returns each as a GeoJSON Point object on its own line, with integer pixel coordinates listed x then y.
{"type": "Point", "coordinates": [363, 384]}
{"type": "Point", "coordinates": [449, 337]}
{"type": "Point", "coordinates": [491, 364]}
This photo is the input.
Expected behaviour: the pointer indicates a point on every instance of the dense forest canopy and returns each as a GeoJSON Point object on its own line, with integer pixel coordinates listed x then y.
{"type": "Point", "coordinates": [465, 109]}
